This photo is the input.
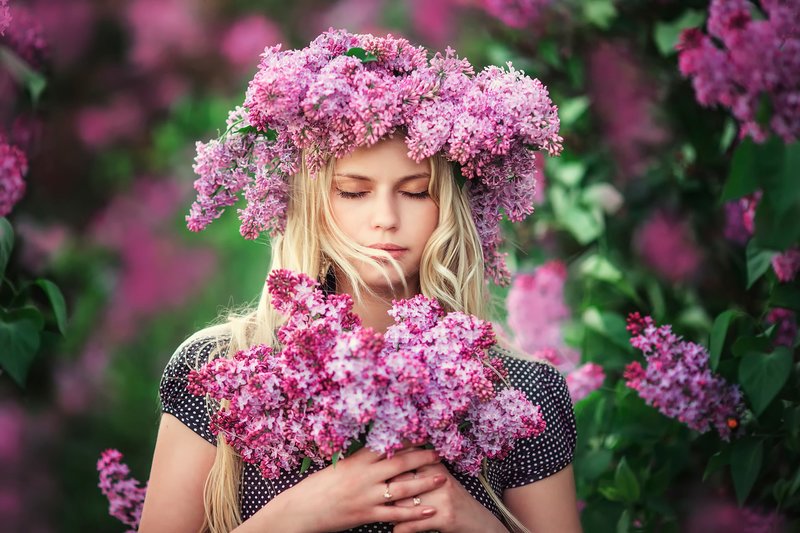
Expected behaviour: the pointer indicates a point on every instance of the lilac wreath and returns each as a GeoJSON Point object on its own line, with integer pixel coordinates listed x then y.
{"type": "Point", "coordinates": [348, 90]}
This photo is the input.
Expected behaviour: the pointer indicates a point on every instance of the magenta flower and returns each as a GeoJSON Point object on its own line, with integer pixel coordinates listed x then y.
{"type": "Point", "coordinates": [537, 313]}
{"type": "Point", "coordinates": [585, 379]}
{"type": "Point", "coordinates": [516, 13]}
{"type": "Point", "coordinates": [678, 380]}
{"type": "Point", "coordinates": [666, 244]}
{"type": "Point", "coordinates": [786, 324]}
{"type": "Point", "coordinates": [786, 265]}
{"type": "Point", "coordinates": [124, 493]}
{"type": "Point", "coordinates": [246, 38]}
{"type": "Point", "coordinates": [426, 379]}
{"type": "Point", "coordinates": [13, 167]}
{"type": "Point", "coordinates": [5, 16]}
{"type": "Point", "coordinates": [757, 57]}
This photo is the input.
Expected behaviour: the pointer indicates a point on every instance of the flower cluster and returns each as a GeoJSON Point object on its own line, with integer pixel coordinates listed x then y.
{"type": "Point", "coordinates": [5, 16]}
{"type": "Point", "coordinates": [679, 382]}
{"type": "Point", "coordinates": [13, 167]}
{"type": "Point", "coordinates": [333, 381]}
{"type": "Point", "coordinates": [516, 13]}
{"type": "Point", "coordinates": [740, 227]}
{"type": "Point", "coordinates": [585, 379]}
{"type": "Point", "coordinates": [758, 57]}
{"type": "Point", "coordinates": [349, 90]}
{"type": "Point", "coordinates": [785, 322]}
{"type": "Point", "coordinates": [666, 243]}
{"type": "Point", "coordinates": [125, 496]}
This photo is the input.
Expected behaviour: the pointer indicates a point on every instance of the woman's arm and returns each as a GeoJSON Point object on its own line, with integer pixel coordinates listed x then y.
{"type": "Point", "coordinates": [181, 462]}
{"type": "Point", "coordinates": [548, 505]}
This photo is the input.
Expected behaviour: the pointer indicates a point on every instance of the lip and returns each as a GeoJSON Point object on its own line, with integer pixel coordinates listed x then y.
{"type": "Point", "coordinates": [393, 249]}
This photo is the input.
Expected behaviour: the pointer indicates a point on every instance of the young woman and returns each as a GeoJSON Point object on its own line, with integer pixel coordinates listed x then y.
{"type": "Point", "coordinates": [379, 225]}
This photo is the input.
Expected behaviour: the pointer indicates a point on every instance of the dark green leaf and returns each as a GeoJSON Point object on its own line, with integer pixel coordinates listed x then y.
{"type": "Point", "coordinates": [335, 458]}
{"type": "Point", "coordinates": [746, 456]}
{"type": "Point", "coordinates": [785, 295]}
{"type": "Point", "coordinates": [743, 178]}
{"type": "Point", "coordinates": [780, 187]}
{"type": "Point", "coordinates": [609, 492]}
{"type": "Point", "coordinates": [247, 129]}
{"type": "Point", "coordinates": [593, 463]}
{"type": "Point", "coordinates": [777, 230]}
{"type": "Point", "coordinates": [763, 375]}
{"type": "Point", "coordinates": [56, 302]}
{"type": "Point", "coordinates": [717, 461]}
{"type": "Point", "coordinates": [758, 262]}
{"type": "Point", "coordinates": [609, 324]}
{"type": "Point", "coordinates": [305, 465]}
{"type": "Point", "coordinates": [624, 522]}
{"type": "Point", "coordinates": [600, 13]}
{"type": "Point", "coordinates": [665, 34]}
{"type": "Point", "coordinates": [6, 244]}
{"type": "Point", "coordinates": [363, 55]}
{"type": "Point", "coordinates": [745, 345]}
{"type": "Point", "coordinates": [718, 333]}
{"type": "Point", "coordinates": [19, 341]}
{"type": "Point", "coordinates": [626, 482]}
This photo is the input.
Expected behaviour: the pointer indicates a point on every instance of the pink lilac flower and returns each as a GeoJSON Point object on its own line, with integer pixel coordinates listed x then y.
{"type": "Point", "coordinates": [332, 379]}
{"type": "Point", "coordinates": [67, 27]}
{"type": "Point", "coordinates": [585, 379]}
{"type": "Point", "coordinates": [246, 38]}
{"type": "Point", "coordinates": [758, 57]}
{"type": "Point", "coordinates": [537, 313]}
{"type": "Point", "coordinates": [164, 29]}
{"type": "Point", "coordinates": [516, 13]}
{"type": "Point", "coordinates": [786, 265]}
{"type": "Point", "coordinates": [326, 102]}
{"type": "Point", "coordinates": [679, 382]}
{"type": "Point", "coordinates": [40, 244]}
{"type": "Point", "coordinates": [5, 16]}
{"type": "Point", "coordinates": [13, 167]}
{"type": "Point", "coordinates": [666, 244]}
{"type": "Point", "coordinates": [120, 120]}
{"type": "Point", "coordinates": [25, 37]}
{"type": "Point", "coordinates": [786, 323]}
{"type": "Point", "coordinates": [433, 20]}
{"type": "Point", "coordinates": [633, 131]}
{"type": "Point", "coordinates": [124, 493]}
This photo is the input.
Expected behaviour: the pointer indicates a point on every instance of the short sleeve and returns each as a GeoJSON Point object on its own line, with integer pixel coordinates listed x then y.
{"type": "Point", "coordinates": [192, 410]}
{"type": "Point", "coordinates": [538, 457]}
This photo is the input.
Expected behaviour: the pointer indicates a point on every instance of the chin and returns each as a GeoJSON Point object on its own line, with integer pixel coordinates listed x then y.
{"type": "Point", "coordinates": [378, 283]}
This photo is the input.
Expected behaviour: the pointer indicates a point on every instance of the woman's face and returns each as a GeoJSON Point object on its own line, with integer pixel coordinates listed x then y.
{"type": "Point", "coordinates": [380, 200]}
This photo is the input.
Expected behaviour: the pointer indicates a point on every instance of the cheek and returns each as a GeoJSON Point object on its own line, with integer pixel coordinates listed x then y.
{"type": "Point", "coordinates": [426, 219]}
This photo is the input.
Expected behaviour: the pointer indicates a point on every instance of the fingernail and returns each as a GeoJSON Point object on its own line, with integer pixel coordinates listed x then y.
{"type": "Point", "coordinates": [428, 512]}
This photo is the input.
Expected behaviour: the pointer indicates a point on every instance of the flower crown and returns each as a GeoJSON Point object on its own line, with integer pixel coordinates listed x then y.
{"type": "Point", "coordinates": [348, 90]}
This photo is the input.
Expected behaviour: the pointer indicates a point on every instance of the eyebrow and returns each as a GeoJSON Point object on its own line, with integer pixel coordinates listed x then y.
{"type": "Point", "coordinates": [402, 180]}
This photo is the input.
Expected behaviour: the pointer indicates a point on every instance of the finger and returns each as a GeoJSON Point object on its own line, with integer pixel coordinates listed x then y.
{"type": "Point", "coordinates": [390, 513]}
{"type": "Point", "coordinates": [413, 487]}
{"type": "Point", "coordinates": [403, 477]}
{"type": "Point", "coordinates": [414, 526]}
{"type": "Point", "coordinates": [388, 468]}
{"type": "Point", "coordinates": [407, 502]}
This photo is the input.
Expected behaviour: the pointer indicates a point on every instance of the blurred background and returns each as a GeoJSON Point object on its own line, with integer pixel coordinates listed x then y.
{"type": "Point", "coordinates": [677, 196]}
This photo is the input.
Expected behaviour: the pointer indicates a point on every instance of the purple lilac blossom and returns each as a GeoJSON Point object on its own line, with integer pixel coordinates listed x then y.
{"type": "Point", "coordinates": [537, 313]}
{"type": "Point", "coordinates": [758, 57]}
{"type": "Point", "coordinates": [124, 493]}
{"type": "Point", "coordinates": [316, 395]}
{"type": "Point", "coordinates": [5, 16]}
{"type": "Point", "coordinates": [515, 13]}
{"type": "Point", "coordinates": [585, 379]}
{"type": "Point", "coordinates": [786, 326]}
{"type": "Point", "coordinates": [13, 167]}
{"type": "Point", "coordinates": [679, 382]}
{"type": "Point", "coordinates": [327, 103]}
{"type": "Point", "coordinates": [666, 244]}
{"type": "Point", "coordinates": [786, 264]}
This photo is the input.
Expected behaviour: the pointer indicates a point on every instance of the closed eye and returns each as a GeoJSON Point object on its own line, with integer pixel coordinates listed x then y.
{"type": "Point", "coordinates": [345, 194]}
{"type": "Point", "coordinates": [352, 195]}
{"type": "Point", "coordinates": [416, 195]}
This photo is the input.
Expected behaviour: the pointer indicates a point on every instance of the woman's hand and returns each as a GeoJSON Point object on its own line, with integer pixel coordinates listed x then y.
{"type": "Point", "coordinates": [352, 493]}
{"type": "Point", "coordinates": [456, 509]}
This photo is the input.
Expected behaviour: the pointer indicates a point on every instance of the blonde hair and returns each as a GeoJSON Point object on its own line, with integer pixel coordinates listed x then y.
{"type": "Point", "coordinates": [451, 270]}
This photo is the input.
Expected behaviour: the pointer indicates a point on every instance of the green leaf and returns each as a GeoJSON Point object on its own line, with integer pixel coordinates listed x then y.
{"type": "Point", "coordinates": [6, 244]}
{"type": "Point", "coordinates": [610, 325]}
{"type": "Point", "coordinates": [23, 73]}
{"type": "Point", "coordinates": [624, 522]}
{"type": "Point", "coordinates": [335, 458]}
{"type": "Point", "coordinates": [600, 268]}
{"type": "Point", "coordinates": [572, 109]}
{"type": "Point", "coordinates": [666, 34]}
{"type": "Point", "coordinates": [718, 332]}
{"type": "Point", "coordinates": [609, 492]}
{"type": "Point", "coordinates": [585, 225]}
{"type": "Point", "coordinates": [785, 295]}
{"type": "Point", "coordinates": [19, 341]}
{"type": "Point", "coordinates": [626, 482]}
{"type": "Point", "coordinates": [56, 302]}
{"type": "Point", "coordinates": [745, 345]}
{"type": "Point", "coordinates": [746, 457]}
{"type": "Point", "coordinates": [593, 463]}
{"type": "Point", "coordinates": [363, 55]}
{"type": "Point", "coordinates": [758, 262]}
{"type": "Point", "coordinates": [763, 375]}
{"type": "Point", "coordinates": [742, 178]}
{"type": "Point", "coordinates": [715, 462]}
{"type": "Point", "coordinates": [780, 186]}
{"type": "Point", "coordinates": [600, 13]}
{"type": "Point", "coordinates": [569, 173]}
{"type": "Point", "coordinates": [304, 466]}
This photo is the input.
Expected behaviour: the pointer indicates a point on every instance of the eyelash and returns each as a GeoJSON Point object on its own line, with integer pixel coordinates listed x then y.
{"type": "Point", "coordinates": [353, 195]}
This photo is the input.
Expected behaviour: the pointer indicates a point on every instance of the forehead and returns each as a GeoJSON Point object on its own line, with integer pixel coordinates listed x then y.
{"type": "Point", "coordinates": [387, 159]}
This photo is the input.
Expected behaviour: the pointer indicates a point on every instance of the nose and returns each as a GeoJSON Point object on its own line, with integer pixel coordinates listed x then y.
{"type": "Point", "coordinates": [385, 213]}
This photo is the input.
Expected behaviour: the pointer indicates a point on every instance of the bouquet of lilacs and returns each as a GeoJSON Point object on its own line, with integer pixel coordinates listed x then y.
{"type": "Point", "coordinates": [335, 385]}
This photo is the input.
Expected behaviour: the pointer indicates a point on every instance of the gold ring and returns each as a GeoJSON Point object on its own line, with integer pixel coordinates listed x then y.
{"type": "Point", "coordinates": [386, 494]}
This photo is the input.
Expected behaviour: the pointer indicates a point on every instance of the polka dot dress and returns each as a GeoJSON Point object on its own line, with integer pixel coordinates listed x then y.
{"type": "Point", "coordinates": [531, 460]}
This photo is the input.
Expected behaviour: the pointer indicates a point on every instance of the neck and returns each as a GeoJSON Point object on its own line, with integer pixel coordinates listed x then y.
{"type": "Point", "coordinates": [373, 308]}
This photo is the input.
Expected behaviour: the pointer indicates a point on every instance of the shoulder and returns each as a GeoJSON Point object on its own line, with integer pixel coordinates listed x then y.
{"type": "Point", "coordinates": [195, 351]}
{"type": "Point", "coordinates": [530, 376]}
